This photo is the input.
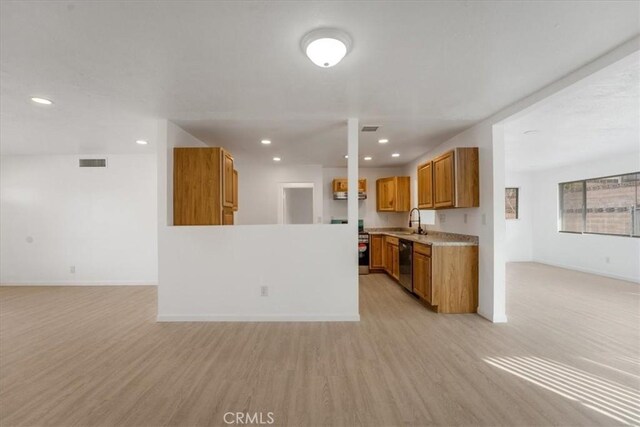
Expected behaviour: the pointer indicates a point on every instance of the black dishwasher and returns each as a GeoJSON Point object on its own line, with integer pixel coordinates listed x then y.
{"type": "Point", "coordinates": [406, 264]}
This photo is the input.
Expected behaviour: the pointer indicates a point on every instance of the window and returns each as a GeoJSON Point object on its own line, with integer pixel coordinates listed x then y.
{"type": "Point", "coordinates": [511, 203]}
{"type": "Point", "coordinates": [608, 205]}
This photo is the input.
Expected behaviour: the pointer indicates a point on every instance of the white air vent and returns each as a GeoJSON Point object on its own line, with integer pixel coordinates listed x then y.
{"type": "Point", "coordinates": [369, 128]}
{"type": "Point", "coordinates": [93, 163]}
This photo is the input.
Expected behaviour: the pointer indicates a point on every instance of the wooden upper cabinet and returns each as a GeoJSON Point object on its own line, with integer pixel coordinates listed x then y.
{"type": "Point", "coordinates": [393, 194]}
{"type": "Point", "coordinates": [444, 181]}
{"type": "Point", "coordinates": [227, 216]}
{"type": "Point", "coordinates": [425, 186]}
{"type": "Point", "coordinates": [362, 185]}
{"type": "Point", "coordinates": [227, 180]}
{"type": "Point", "coordinates": [235, 190]}
{"type": "Point", "coordinates": [203, 186]}
{"type": "Point", "coordinates": [341, 185]}
{"type": "Point", "coordinates": [456, 182]}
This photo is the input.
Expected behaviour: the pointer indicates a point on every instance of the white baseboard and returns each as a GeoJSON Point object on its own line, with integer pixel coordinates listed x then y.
{"type": "Point", "coordinates": [490, 317]}
{"type": "Point", "coordinates": [77, 283]}
{"type": "Point", "coordinates": [587, 270]}
{"type": "Point", "coordinates": [259, 318]}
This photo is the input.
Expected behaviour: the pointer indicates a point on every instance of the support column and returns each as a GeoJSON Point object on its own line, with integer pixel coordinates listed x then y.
{"type": "Point", "coordinates": [352, 174]}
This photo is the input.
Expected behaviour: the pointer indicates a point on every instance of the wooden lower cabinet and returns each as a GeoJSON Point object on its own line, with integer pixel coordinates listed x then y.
{"type": "Point", "coordinates": [446, 277]}
{"type": "Point", "coordinates": [392, 257]}
{"type": "Point", "coordinates": [388, 257]}
{"type": "Point", "coordinates": [395, 262]}
{"type": "Point", "coordinates": [376, 251]}
{"type": "Point", "coordinates": [422, 272]}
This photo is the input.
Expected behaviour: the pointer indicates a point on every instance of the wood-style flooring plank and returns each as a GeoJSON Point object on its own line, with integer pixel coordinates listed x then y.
{"type": "Point", "coordinates": [95, 356]}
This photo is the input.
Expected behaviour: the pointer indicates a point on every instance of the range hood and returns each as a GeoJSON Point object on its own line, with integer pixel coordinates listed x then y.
{"type": "Point", "coordinates": [343, 195]}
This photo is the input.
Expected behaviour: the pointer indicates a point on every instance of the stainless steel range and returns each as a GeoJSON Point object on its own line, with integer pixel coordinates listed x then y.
{"type": "Point", "coordinates": [363, 252]}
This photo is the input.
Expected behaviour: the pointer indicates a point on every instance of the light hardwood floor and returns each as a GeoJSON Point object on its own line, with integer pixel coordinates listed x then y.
{"type": "Point", "coordinates": [94, 356]}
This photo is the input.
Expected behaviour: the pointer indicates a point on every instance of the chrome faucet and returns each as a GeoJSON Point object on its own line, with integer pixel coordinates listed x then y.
{"type": "Point", "coordinates": [420, 230]}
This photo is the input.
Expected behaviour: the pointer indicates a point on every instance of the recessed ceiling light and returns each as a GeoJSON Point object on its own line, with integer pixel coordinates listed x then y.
{"type": "Point", "coordinates": [42, 101]}
{"type": "Point", "coordinates": [346, 156]}
{"type": "Point", "coordinates": [531, 132]}
{"type": "Point", "coordinates": [395, 155]}
{"type": "Point", "coordinates": [325, 47]}
{"type": "Point", "coordinates": [141, 142]}
{"type": "Point", "coordinates": [276, 159]}
{"type": "Point", "coordinates": [266, 141]}
{"type": "Point", "coordinates": [383, 141]}
{"type": "Point", "coordinates": [368, 158]}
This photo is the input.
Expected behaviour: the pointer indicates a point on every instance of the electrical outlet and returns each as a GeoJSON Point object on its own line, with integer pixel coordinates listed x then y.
{"type": "Point", "coordinates": [264, 291]}
{"type": "Point", "coordinates": [72, 269]}
{"type": "Point", "coordinates": [443, 218]}
{"type": "Point", "coordinates": [484, 219]}
{"type": "Point", "coordinates": [465, 218]}
{"type": "Point", "coordinates": [607, 260]}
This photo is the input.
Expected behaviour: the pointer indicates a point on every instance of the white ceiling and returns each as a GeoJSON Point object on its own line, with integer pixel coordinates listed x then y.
{"type": "Point", "coordinates": [233, 72]}
{"type": "Point", "coordinates": [596, 118]}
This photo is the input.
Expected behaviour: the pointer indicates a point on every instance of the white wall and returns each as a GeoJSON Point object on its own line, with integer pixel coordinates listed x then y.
{"type": "Point", "coordinates": [519, 246]}
{"type": "Point", "coordinates": [488, 222]}
{"type": "Point", "coordinates": [216, 272]}
{"type": "Point", "coordinates": [491, 304]}
{"type": "Point", "coordinates": [259, 184]}
{"type": "Point", "coordinates": [584, 252]}
{"type": "Point", "coordinates": [55, 215]}
{"type": "Point", "coordinates": [337, 209]}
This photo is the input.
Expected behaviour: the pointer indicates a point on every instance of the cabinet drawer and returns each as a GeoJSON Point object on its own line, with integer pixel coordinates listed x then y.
{"type": "Point", "coordinates": [392, 240]}
{"type": "Point", "coordinates": [422, 249]}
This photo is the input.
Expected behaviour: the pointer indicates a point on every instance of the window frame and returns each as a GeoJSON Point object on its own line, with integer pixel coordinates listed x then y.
{"type": "Point", "coordinates": [584, 210]}
{"type": "Point", "coordinates": [517, 203]}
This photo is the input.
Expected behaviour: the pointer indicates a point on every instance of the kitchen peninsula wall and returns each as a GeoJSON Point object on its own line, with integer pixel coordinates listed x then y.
{"type": "Point", "coordinates": [337, 209]}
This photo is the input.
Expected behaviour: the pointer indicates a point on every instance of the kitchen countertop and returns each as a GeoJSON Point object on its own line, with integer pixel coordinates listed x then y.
{"type": "Point", "coordinates": [434, 238]}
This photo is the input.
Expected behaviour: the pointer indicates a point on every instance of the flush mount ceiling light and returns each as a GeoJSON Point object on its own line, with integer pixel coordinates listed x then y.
{"type": "Point", "coordinates": [42, 101]}
{"type": "Point", "coordinates": [325, 47]}
{"type": "Point", "coordinates": [368, 158]}
{"type": "Point", "coordinates": [531, 132]}
{"type": "Point", "coordinates": [276, 159]}
{"type": "Point", "coordinates": [141, 142]}
{"type": "Point", "coordinates": [266, 141]}
{"type": "Point", "coordinates": [346, 156]}
{"type": "Point", "coordinates": [383, 141]}
{"type": "Point", "coordinates": [395, 155]}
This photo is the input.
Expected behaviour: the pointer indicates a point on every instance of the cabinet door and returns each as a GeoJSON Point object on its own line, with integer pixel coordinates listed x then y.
{"type": "Point", "coordinates": [235, 190]}
{"type": "Point", "coordinates": [196, 186]}
{"type": "Point", "coordinates": [402, 194]}
{"type": "Point", "coordinates": [422, 276]}
{"type": "Point", "coordinates": [227, 180]}
{"type": "Point", "coordinates": [444, 181]}
{"type": "Point", "coordinates": [376, 260]}
{"type": "Point", "coordinates": [425, 186]}
{"type": "Point", "coordinates": [340, 185]}
{"type": "Point", "coordinates": [388, 258]}
{"type": "Point", "coordinates": [385, 197]}
{"type": "Point", "coordinates": [395, 267]}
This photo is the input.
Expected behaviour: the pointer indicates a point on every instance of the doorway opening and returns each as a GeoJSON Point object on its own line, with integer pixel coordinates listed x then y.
{"type": "Point", "coordinates": [296, 204]}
